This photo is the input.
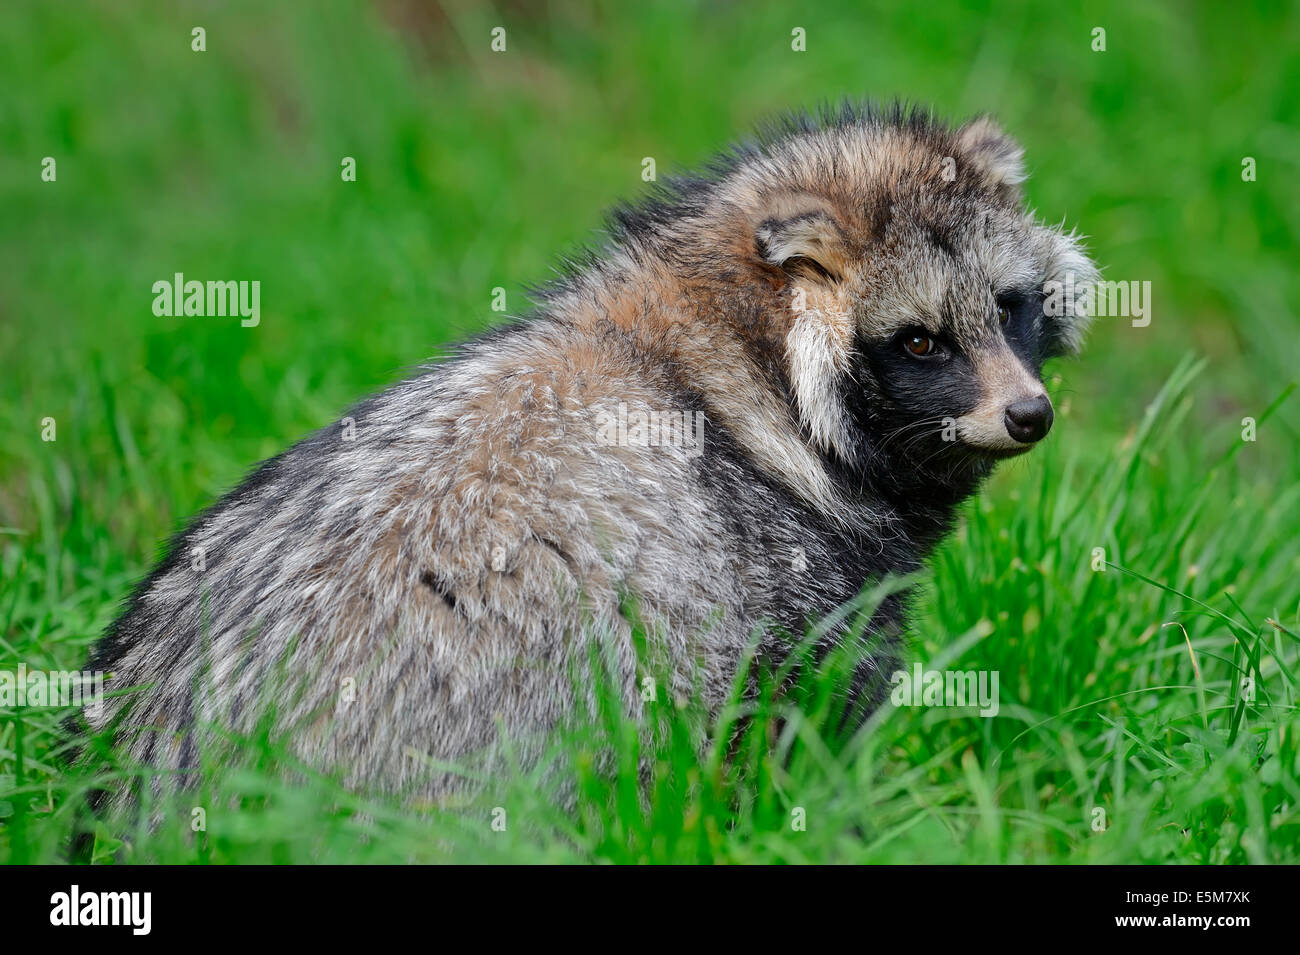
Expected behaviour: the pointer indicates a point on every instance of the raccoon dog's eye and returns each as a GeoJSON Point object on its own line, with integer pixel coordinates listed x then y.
{"type": "Point", "coordinates": [920, 345]}
{"type": "Point", "coordinates": [1004, 315]}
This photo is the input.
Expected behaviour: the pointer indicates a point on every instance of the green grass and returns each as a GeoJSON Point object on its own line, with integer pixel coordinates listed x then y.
{"type": "Point", "coordinates": [1121, 688]}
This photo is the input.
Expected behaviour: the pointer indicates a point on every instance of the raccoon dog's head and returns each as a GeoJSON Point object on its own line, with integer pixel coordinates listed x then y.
{"type": "Point", "coordinates": [919, 296]}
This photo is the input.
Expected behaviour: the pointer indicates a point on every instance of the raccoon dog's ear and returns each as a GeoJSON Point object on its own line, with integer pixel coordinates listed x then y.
{"type": "Point", "coordinates": [998, 157]}
{"type": "Point", "coordinates": [804, 242]}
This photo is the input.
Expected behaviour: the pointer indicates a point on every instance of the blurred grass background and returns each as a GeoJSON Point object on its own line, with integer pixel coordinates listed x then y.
{"type": "Point", "coordinates": [476, 169]}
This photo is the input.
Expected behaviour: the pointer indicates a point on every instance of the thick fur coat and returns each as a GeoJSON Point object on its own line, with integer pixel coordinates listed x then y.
{"type": "Point", "coordinates": [854, 301]}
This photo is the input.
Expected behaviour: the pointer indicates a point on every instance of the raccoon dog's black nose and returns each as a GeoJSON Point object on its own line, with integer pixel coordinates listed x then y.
{"type": "Point", "coordinates": [1029, 419]}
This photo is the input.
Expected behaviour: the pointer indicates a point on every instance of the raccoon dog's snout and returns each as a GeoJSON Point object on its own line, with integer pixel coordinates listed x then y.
{"type": "Point", "coordinates": [1029, 419]}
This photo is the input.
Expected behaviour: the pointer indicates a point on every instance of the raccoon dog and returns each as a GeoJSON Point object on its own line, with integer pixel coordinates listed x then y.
{"type": "Point", "coordinates": [773, 385]}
